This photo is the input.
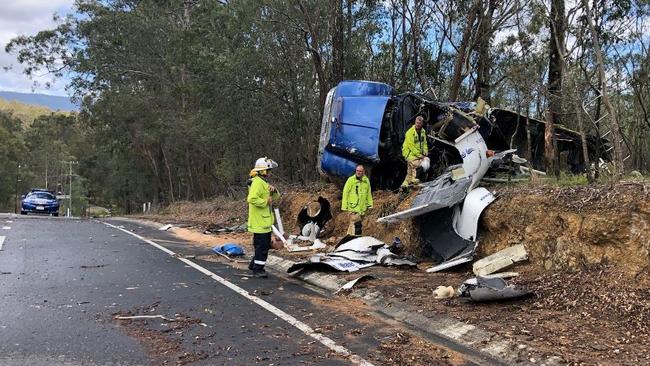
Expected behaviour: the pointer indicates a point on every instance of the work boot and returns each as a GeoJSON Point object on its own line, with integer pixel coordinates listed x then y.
{"type": "Point", "coordinates": [259, 273]}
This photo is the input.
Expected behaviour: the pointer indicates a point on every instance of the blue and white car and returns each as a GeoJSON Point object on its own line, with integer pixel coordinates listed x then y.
{"type": "Point", "coordinates": [41, 202]}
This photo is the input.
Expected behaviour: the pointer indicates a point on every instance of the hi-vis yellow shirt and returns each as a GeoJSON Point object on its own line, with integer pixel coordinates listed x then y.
{"type": "Point", "coordinates": [260, 216]}
{"type": "Point", "coordinates": [356, 195]}
{"type": "Point", "coordinates": [415, 145]}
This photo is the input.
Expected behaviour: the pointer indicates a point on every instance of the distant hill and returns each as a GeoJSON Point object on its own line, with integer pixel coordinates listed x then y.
{"type": "Point", "coordinates": [53, 102]}
{"type": "Point", "coordinates": [25, 112]}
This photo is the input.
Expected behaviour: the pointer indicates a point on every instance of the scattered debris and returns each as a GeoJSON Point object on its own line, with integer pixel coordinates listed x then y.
{"type": "Point", "coordinates": [215, 228]}
{"type": "Point", "coordinates": [500, 260]}
{"type": "Point", "coordinates": [481, 289]}
{"type": "Point", "coordinates": [96, 266]}
{"type": "Point", "coordinates": [352, 254]}
{"type": "Point", "coordinates": [132, 317]}
{"type": "Point", "coordinates": [229, 249]}
{"type": "Point", "coordinates": [349, 285]}
{"type": "Point", "coordinates": [166, 227]}
{"type": "Point", "coordinates": [444, 292]}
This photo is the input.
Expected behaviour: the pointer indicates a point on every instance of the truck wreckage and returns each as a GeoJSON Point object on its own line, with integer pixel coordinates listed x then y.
{"type": "Point", "coordinates": [365, 122]}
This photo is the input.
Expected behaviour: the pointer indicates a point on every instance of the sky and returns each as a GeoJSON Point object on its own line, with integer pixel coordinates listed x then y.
{"type": "Point", "coordinates": [27, 17]}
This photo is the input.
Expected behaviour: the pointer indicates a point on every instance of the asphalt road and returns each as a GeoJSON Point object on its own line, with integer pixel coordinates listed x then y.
{"type": "Point", "coordinates": [63, 283]}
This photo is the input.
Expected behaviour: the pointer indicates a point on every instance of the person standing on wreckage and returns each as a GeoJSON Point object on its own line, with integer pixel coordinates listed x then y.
{"type": "Point", "coordinates": [415, 151]}
{"type": "Point", "coordinates": [357, 199]}
{"type": "Point", "coordinates": [260, 214]}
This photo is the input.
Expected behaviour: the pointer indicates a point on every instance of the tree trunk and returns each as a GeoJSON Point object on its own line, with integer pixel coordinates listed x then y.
{"type": "Point", "coordinates": [405, 49]}
{"type": "Point", "coordinates": [313, 46]}
{"type": "Point", "coordinates": [551, 161]}
{"type": "Point", "coordinates": [555, 71]}
{"type": "Point", "coordinates": [483, 87]}
{"type": "Point", "coordinates": [556, 58]}
{"type": "Point", "coordinates": [337, 42]}
{"type": "Point", "coordinates": [457, 79]}
{"type": "Point", "coordinates": [583, 140]}
{"type": "Point", "coordinates": [615, 128]}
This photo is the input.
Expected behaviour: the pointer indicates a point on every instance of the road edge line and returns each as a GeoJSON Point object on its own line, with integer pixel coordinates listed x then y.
{"type": "Point", "coordinates": [306, 329]}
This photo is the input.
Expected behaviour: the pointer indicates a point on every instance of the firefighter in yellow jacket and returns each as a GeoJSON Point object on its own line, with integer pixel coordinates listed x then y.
{"type": "Point", "coordinates": [357, 199]}
{"type": "Point", "coordinates": [414, 150]}
{"type": "Point", "coordinates": [260, 213]}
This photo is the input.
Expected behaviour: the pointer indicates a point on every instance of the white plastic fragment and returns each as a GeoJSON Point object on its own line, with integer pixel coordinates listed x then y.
{"type": "Point", "coordinates": [500, 260]}
{"type": "Point", "coordinates": [279, 221]}
{"type": "Point", "coordinates": [166, 227]}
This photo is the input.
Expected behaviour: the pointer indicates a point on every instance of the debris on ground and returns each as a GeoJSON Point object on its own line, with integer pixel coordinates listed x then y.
{"type": "Point", "coordinates": [444, 292]}
{"type": "Point", "coordinates": [229, 249]}
{"type": "Point", "coordinates": [500, 260]}
{"type": "Point", "coordinates": [165, 227]}
{"type": "Point", "coordinates": [350, 284]}
{"type": "Point", "coordinates": [481, 289]}
{"type": "Point", "coordinates": [133, 317]}
{"type": "Point", "coordinates": [587, 249]}
{"type": "Point", "coordinates": [352, 254]}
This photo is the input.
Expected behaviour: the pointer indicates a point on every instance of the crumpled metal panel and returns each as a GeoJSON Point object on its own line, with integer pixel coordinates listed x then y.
{"type": "Point", "coordinates": [481, 289]}
{"type": "Point", "coordinates": [439, 193]}
{"type": "Point", "coordinates": [330, 263]}
{"type": "Point", "coordinates": [361, 244]}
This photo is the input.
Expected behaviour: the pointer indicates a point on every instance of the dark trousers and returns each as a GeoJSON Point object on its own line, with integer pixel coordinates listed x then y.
{"type": "Point", "coordinates": [262, 244]}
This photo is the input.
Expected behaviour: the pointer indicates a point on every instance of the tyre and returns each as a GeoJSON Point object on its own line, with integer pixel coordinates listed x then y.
{"type": "Point", "coordinates": [56, 214]}
{"type": "Point", "coordinates": [23, 212]}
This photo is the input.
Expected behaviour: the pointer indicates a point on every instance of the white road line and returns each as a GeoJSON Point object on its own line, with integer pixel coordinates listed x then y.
{"type": "Point", "coordinates": [2, 241]}
{"type": "Point", "coordinates": [306, 329]}
{"type": "Point", "coordinates": [6, 228]}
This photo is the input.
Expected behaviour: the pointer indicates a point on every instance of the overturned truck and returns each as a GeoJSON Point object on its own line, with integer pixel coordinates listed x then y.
{"type": "Point", "coordinates": [365, 122]}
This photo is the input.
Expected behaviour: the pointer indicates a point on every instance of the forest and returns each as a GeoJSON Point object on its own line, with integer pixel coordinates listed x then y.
{"type": "Point", "coordinates": [179, 97]}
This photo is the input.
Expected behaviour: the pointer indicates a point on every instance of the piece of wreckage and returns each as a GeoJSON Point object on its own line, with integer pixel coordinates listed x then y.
{"type": "Point", "coordinates": [312, 219]}
{"type": "Point", "coordinates": [365, 123]}
{"type": "Point", "coordinates": [353, 253]}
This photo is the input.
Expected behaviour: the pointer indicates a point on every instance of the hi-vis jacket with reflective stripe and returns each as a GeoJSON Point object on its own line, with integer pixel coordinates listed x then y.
{"type": "Point", "coordinates": [356, 195]}
{"type": "Point", "coordinates": [415, 145]}
{"type": "Point", "coordinates": [260, 215]}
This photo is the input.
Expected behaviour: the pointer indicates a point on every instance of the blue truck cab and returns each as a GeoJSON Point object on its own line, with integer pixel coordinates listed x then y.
{"type": "Point", "coordinates": [351, 127]}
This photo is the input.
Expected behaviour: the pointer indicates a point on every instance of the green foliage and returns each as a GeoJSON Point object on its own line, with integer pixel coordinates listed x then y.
{"type": "Point", "coordinates": [181, 97]}
{"type": "Point", "coordinates": [570, 180]}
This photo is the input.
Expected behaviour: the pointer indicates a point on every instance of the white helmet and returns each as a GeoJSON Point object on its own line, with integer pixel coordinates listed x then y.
{"type": "Point", "coordinates": [264, 164]}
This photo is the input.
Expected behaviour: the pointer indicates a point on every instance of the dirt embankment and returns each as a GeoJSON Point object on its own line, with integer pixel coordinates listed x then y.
{"type": "Point", "coordinates": [571, 227]}
{"type": "Point", "coordinates": [562, 228]}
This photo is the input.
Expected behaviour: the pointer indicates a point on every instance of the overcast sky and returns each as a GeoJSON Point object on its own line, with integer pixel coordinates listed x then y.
{"type": "Point", "coordinates": [27, 17]}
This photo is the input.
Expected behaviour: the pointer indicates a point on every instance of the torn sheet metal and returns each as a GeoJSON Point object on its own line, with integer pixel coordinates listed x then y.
{"type": "Point", "coordinates": [481, 289]}
{"type": "Point", "coordinates": [349, 285]}
{"type": "Point", "coordinates": [441, 242]}
{"type": "Point", "coordinates": [361, 244]}
{"type": "Point", "coordinates": [353, 254]}
{"type": "Point", "coordinates": [439, 193]}
{"type": "Point", "coordinates": [500, 260]}
{"type": "Point", "coordinates": [329, 264]}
